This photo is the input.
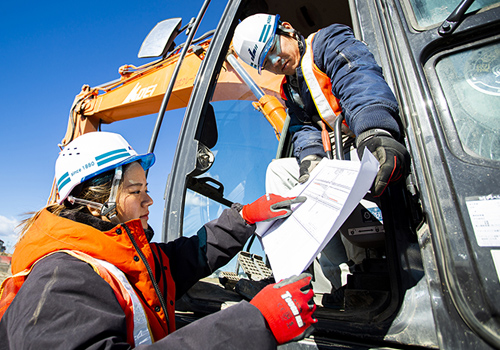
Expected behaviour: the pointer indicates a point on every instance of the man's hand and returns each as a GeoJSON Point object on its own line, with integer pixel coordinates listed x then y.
{"type": "Point", "coordinates": [288, 307]}
{"type": "Point", "coordinates": [306, 167]}
{"type": "Point", "coordinates": [393, 157]}
{"type": "Point", "coordinates": [269, 207]}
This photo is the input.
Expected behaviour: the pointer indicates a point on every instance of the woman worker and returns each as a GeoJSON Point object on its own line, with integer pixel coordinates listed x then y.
{"type": "Point", "coordinates": [86, 276]}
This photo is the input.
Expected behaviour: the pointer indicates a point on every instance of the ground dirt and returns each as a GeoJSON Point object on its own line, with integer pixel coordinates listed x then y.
{"type": "Point", "coordinates": [4, 271]}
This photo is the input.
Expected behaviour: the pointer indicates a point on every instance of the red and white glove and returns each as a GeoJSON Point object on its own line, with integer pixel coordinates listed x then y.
{"type": "Point", "coordinates": [288, 307]}
{"type": "Point", "coordinates": [269, 207]}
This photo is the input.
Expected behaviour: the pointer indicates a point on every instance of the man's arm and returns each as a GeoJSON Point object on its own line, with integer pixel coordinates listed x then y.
{"type": "Point", "coordinates": [357, 80]}
{"type": "Point", "coordinates": [369, 106]}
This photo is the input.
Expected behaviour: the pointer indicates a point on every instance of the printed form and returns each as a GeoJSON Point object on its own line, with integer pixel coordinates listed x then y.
{"type": "Point", "coordinates": [333, 191]}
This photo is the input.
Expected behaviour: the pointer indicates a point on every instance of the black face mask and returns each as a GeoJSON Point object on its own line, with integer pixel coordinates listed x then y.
{"type": "Point", "coordinates": [149, 233]}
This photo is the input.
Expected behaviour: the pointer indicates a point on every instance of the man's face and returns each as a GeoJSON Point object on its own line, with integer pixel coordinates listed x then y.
{"type": "Point", "coordinates": [284, 55]}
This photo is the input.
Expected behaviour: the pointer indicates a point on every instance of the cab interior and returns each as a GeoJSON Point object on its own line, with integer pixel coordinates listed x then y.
{"type": "Point", "coordinates": [376, 241]}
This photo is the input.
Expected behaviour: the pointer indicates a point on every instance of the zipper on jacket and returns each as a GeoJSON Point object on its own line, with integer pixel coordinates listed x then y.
{"type": "Point", "coordinates": [345, 58]}
{"type": "Point", "coordinates": [150, 272]}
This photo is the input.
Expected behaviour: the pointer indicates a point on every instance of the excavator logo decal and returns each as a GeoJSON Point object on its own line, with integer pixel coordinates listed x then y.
{"type": "Point", "coordinates": [138, 92]}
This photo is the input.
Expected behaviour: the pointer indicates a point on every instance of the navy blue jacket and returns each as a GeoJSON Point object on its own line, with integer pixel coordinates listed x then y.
{"type": "Point", "coordinates": [357, 81]}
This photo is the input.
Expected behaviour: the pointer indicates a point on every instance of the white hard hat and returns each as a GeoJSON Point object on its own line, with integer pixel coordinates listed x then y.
{"type": "Point", "coordinates": [253, 38]}
{"type": "Point", "coordinates": [92, 154]}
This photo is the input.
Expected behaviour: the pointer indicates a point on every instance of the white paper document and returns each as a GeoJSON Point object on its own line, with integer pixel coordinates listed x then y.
{"type": "Point", "coordinates": [333, 190]}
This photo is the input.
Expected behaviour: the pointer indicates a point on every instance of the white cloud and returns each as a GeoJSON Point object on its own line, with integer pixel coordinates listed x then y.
{"type": "Point", "coordinates": [8, 232]}
{"type": "Point", "coordinates": [196, 200]}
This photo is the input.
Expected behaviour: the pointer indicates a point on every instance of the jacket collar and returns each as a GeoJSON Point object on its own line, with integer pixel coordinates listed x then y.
{"type": "Point", "coordinates": [87, 219]}
{"type": "Point", "coordinates": [84, 233]}
{"type": "Point", "coordinates": [101, 225]}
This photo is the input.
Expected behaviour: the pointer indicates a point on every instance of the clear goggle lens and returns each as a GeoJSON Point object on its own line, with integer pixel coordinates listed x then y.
{"type": "Point", "coordinates": [273, 56]}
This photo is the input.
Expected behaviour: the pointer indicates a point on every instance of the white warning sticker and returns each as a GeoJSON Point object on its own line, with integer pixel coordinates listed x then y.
{"type": "Point", "coordinates": [484, 213]}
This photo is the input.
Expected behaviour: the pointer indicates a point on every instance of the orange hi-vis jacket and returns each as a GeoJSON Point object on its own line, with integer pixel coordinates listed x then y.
{"type": "Point", "coordinates": [125, 247]}
{"type": "Point", "coordinates": [320, 87]}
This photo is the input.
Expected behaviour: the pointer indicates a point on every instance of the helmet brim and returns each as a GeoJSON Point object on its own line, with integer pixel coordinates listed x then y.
{"type": "Point", "coordinates": [146, 160]}
{"type": "Point", "coordinates": [268, 44]}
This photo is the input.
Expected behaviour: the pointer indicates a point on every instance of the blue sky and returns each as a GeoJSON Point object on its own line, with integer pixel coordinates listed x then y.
{"type": "Point", "coordinates": [48, 51]}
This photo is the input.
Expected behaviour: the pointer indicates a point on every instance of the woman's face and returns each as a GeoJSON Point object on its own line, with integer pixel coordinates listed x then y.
{"type": "Point", "coordinates": [133, 199]}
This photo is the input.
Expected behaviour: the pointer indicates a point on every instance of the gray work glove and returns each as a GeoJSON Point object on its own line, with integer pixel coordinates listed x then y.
{"type": "Point", "coordinates": [306, 167]}
{"type": "Point", "coordinates": [393, 157]}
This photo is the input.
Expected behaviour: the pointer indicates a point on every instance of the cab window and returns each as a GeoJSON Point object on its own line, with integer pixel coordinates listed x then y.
{"type": "Point", "coordinates": [428, 13]}
{"type": "Point", "coordinates": [246, 145]}
{"type": "Point", "coordinates": [470, 82]}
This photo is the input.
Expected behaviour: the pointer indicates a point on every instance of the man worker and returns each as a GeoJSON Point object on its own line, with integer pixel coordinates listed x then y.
{"type": "Point", "coordinates": [328, 73]}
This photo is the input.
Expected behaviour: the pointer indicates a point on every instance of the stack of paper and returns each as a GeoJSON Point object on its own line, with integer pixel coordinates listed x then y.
{"type": "Point", "coordinates": [333, 190]}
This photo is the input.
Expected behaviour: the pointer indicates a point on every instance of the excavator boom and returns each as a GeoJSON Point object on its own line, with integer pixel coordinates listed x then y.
{"type": "Point", "coordinates": [140, 90]}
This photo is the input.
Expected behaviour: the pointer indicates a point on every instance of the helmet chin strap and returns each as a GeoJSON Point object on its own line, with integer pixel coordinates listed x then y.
{"type": "Point", "coordinates": [291, 32]}
{"type": "Point", "coordinates": [107, 209]}
{"type": "Point", "coordinates": [91, 204]}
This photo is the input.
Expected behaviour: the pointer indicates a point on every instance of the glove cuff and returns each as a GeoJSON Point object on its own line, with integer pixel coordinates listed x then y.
{"type": "Point", "coordinates": [237, 206]}
{"type": "Point", "coordinates": [368, 134]}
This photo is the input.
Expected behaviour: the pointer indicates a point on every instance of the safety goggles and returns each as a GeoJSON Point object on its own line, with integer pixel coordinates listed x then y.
{"type": "Point", "coordinates": [273, 55]}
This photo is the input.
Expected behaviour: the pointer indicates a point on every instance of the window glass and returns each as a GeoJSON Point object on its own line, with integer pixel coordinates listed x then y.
{"type": "Point", "coordinates": [245, 146]}
{"type": "Point", "coordinates": [431, 12]}
{"type": "Point", "coordinates": [470, 81]}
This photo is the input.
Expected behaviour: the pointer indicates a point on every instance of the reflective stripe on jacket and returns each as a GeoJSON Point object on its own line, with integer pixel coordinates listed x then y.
{"type": "Point", "coordinates": [320, 87]}
{"type": "Point", "coordinates": [125, 246]}
{"type": "Point", "coordinates": [137, 323]}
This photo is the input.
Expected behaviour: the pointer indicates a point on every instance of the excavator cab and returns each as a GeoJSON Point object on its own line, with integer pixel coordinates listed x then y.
{"type": "Point", "coordinates": [235, 172]}
{"type": "Point", "coordinates": [400, 274]}
{"type": "Point", "coordinates": [423, 264]}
